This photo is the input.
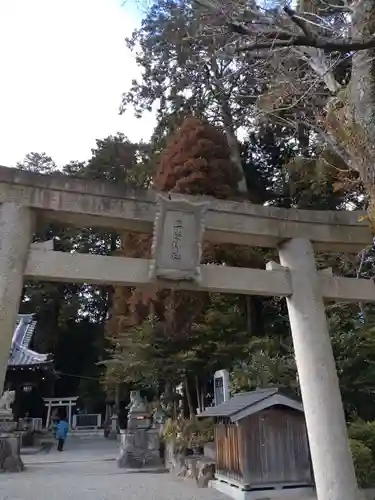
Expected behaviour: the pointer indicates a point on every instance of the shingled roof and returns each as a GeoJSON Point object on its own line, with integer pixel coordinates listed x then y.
{"type": "Point", "coordinates": [247, 403]}
{"type": "Point", "coordinates": [21, 355]}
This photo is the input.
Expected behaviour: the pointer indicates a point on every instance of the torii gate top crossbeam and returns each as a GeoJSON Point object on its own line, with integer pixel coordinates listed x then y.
{"type": "Point", "coordinates": [99, 204]}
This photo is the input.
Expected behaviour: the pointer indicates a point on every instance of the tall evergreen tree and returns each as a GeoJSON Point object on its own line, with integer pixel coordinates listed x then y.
{"type": "Point", "coordinates": [196, 161]}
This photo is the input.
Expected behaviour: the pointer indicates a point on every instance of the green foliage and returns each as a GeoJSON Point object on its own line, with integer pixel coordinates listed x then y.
{"type": "Point", "coordinates": [38, 163]}
{"type": "Point", "coordinates": [137, 355]}
{"type": "Point", "coordinates": [353, 343]}
{"type": "Point", "coordinates": [268, 363]}
{"type": "Point", "coordinates": [264, 155]}
{"type": "Point", "coordinates": [184, 72]}
{"type": "Point", "coordinates": [220, 335]}
{"type": "Point", "coordinates": [189, 432]}
{"type": "Point", "coordinates": [171, 429]}
{"type": "Point", "coordinates": [363, 463]}
{"type": "Point", "coordinates": [181, 70]}
{"type": "Point", "coordinates": [360, 430]}
{"type": "Point", "coordinates": [115, 159]}
{"type": "Point", "coordinates": [166, 349]}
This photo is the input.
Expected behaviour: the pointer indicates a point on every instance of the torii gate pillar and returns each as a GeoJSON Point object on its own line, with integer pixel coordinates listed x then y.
{"type": "Point", "coordinates": [16, 231]}
{"type": "Point", "coordinates": [325, 420]}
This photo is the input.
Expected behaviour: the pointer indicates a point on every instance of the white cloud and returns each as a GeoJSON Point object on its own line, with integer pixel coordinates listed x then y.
{"type": "Point", "coordinates": [64, 66]}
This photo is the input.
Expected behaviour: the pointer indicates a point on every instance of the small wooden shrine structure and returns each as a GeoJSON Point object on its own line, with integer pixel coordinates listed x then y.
{"type": "Point", "coordinates": [29, 373]}
{"type": "Point", "coordinates": [261, 441]}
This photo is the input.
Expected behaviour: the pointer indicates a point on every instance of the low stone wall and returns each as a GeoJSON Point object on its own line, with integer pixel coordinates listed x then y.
{"type": "Point", "coordinates": [10, 458]}
{"type": "Point", "coordinates": [201, 468]}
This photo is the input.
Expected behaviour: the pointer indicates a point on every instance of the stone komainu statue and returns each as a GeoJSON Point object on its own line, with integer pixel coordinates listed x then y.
{"type": "Point", "coordinates": [137, 403]}
{"type": "Point", "coordinates": [6, 400]}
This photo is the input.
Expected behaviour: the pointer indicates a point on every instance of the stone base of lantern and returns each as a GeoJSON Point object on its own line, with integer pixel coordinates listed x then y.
{"type": "Point", "coordinates": [10, 458]}
{"type": "Point", "coordinates": [139, 448]}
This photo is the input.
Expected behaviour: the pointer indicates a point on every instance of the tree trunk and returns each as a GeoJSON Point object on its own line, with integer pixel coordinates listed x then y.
{"type": "Point", "coordinates": [117, 396]}
{"type": "Point", "coordinates": [362, 101]}
{"type": "Point", "coordinates": [198, 393]}
{"type": "Point", "coordinates": [227, 117]}
{"type": "Point", "coordinates": [233, 143]}
{"type": "Point", "coordinates": [188, 397]}
{"type": "Point", "coordinates": [203, 395]}
{"type": "Point", "coordinates": [169, 401]}
{"type": "Point", "coordinates": [110, 290]}
{"type": "Point", "coordinates": [254, 315]}
{"type": "Point", "coordinates": [362, 82]}
{"type": "Point", "coordinates": [249, 322]}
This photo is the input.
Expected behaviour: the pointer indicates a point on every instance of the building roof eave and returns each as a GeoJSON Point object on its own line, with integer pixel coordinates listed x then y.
{"type": "Point", "coordinates": [21, 355]}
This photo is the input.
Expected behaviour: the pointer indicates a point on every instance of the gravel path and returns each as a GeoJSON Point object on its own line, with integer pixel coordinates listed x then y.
{"type": "Point", "coordinates": [79, 474]}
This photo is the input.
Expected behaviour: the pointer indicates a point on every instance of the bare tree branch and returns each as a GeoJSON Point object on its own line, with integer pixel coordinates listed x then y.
{"type": "Point", "coordinates": [339, 45]}
{"type": "Point", "coordinates": [298, 21]}
{"type": "Point", "coordinates": [279, 36]}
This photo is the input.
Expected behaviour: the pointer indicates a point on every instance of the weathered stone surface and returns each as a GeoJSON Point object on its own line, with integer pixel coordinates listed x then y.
{"type": "Point", "coordinates": [138, 417]}
{"type": "Point", "coordinates": [137, 403]}
{"type": "Point", "coordinates": [10, 459]}
{"type": "Point", "coordinates": [200, 468]}
{"type": "Point", "coordinates": [176, 246]}
{"type": "Point", "coordinates": [139, 448]}
{"type": "Point", "coordinates": [16, 231]}
{"type": "Point", "coordinates": [332, 461]}
{"type": "Point", "coordinates": [13, 464]}
{"type": "Point", "coordinates": [89, 203]}
{"type": "Point", "coordinates": [7, 426]}
{"type": "Point", "coordinates": [206, 474]}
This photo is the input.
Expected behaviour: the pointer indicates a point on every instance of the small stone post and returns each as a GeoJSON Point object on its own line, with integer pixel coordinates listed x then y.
{"type": "Point", "coordinates": [16, 231]}
{"type": "Point", "coordinates": [325, 420]}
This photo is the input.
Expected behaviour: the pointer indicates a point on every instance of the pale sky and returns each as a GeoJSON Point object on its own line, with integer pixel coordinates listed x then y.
{"type": "Point", "coordinates": [64, 67]}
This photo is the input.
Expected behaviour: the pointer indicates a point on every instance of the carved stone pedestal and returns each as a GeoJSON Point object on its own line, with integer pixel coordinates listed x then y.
{"type": "Point", "coordinates": [139, 449]}
{"type": "Point", "coordinates": [138, 420]}
{"type": "Point", "coordinates": [7, 423]}
{"type": "Point", "coordinates": [10, 458]}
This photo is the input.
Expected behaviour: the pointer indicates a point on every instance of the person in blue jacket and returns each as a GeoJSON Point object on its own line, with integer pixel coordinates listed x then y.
{"type": "Point", "coordinates": [62, 429]}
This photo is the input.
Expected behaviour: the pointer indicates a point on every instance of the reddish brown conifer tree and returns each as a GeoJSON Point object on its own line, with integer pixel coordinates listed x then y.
{"type": "Point", "coordinates": [197, 161]}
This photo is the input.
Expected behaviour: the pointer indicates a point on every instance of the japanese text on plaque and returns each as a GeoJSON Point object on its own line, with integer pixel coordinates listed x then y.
{"type": "Point", "coordinates": [176, 239]}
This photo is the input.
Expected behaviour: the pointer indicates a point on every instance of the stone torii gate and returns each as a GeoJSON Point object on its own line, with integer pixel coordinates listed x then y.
{"type": "Point", "coordinates": [179, 224]}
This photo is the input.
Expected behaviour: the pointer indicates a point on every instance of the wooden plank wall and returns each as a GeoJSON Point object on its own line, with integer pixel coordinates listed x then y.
{"type": "Point", "coordinates": [228, 456]}
{"type": "Point", "coordinates": [275, 448]}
